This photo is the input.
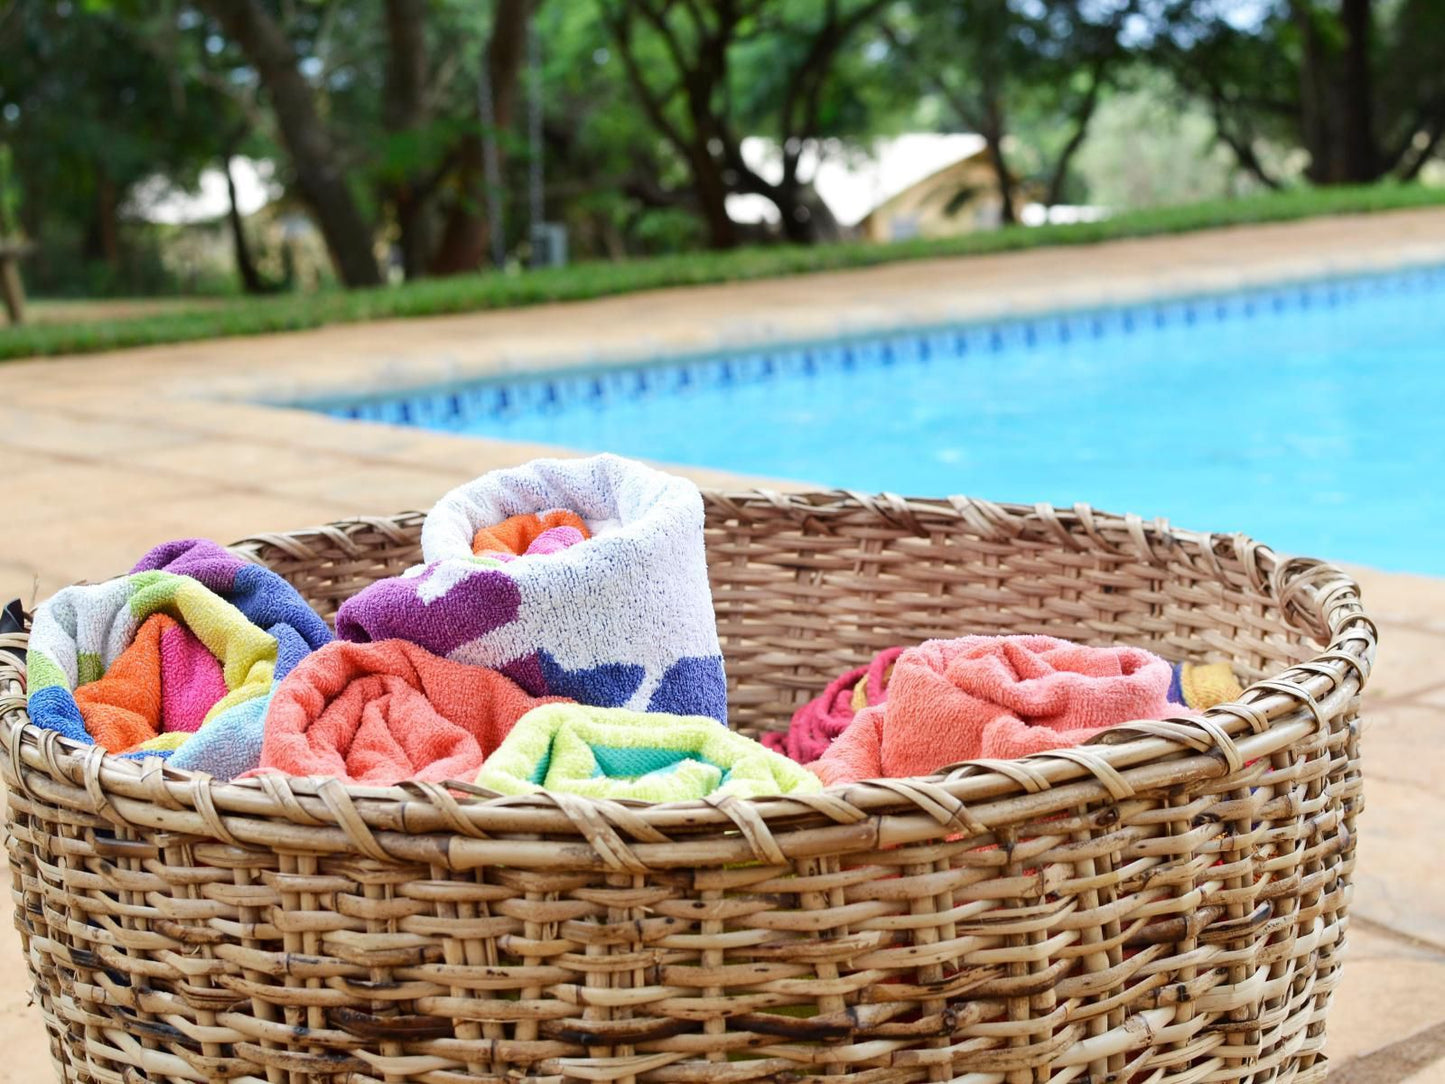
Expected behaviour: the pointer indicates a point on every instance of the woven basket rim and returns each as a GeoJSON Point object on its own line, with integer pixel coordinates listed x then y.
{"type": "Point", "coordinates": [1270, 715]}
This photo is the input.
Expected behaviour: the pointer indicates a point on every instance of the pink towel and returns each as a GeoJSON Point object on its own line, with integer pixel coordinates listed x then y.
{"type": "Point", "coordinates": [165, 681]}
{"type": "Point", "coordinates": [818, 722]}
{"type": "Point", "coordinates": [995, 696]}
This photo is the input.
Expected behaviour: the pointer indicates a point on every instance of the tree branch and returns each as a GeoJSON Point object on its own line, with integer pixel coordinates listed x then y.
{"type": "Point", "coordinates": [1082, 116]}
{"type": "Point", "coordinates": [655, 107]}
{"type": "Point", "coordinates": [1432, 144]}
{"type": "Point", "coordinates": [951, 96]}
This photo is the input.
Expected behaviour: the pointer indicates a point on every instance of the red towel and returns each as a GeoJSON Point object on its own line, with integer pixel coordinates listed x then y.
{"type": "Point", "coordinates": [818, 722]}
{"type": "Point", "coordinates": [995, 696]}
{"type": "Point", "coordinates": [387, 711]}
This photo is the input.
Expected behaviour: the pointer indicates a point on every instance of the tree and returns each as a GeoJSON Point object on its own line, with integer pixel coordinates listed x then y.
{"type": "Point", "coordinates": [1357, 85]}
{"type": "Point", "coordinates": [466, 232]}
{"type": "Point", "coordinates": [89, 115]}
{"type": "Point", "coordinates": [998, 65]}
{"type": "Point", "coordinates": [9, 195]}
{"type": "Point", "coordinates": [682, 61]}
{"type": "Point", "coordinates": [320, 174]}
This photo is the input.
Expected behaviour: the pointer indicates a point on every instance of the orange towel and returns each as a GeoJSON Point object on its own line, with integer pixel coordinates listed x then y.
{"type": "Point", "coordinates": [165, 681]}
{"type": "Point", "coordinates": [994, 696]}
{"type": "Point", "coordinates": [387, 711]}
{"type": "Point", "coordinates": [516, 534]}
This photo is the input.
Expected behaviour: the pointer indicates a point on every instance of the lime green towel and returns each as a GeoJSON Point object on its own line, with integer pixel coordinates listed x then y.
{"type": "Point", "coordinates": [647, 756]}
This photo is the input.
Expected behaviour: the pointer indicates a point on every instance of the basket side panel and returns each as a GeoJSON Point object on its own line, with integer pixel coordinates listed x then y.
{"type": "Point", "coordinates": [802, 598]}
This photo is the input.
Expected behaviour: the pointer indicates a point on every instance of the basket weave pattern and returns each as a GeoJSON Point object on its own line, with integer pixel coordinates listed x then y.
{"type": "Point", "coordinates": [1167, 904]}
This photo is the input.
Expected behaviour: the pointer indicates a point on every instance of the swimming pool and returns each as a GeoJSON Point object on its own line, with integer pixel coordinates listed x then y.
{"type": "Point", "coordinates": [1308, 414]}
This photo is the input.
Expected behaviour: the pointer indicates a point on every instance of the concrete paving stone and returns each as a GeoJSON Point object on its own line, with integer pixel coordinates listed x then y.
{"type": "Point", "coordinates": [1395, 600]}
{"type": "Point", "coordinates": [1416, 1059]}
{"type": "Point", "coordinates": [247, 464]}
{"type": "Point", "coordinates": [66, 489]}
{"type": "Point", "coordinates": [1410, 660]}
{"type": "Point", "coordinates": [1404, 744]}
{"type": "Point", "coordinates": [365, 489]}
{"type": "Point", "coordinates": [1432, 1074]}
{"type": "Point", "coordinates": [28, 584]}
{"type": "Point", "coordinates": [1377, 1001]}
{"type": "Point", "coordinates": [100, 545]}
{"type": "Point", "coordinates": [72, 435]}
{"type": "Point", "coordinates": [1399, 879]}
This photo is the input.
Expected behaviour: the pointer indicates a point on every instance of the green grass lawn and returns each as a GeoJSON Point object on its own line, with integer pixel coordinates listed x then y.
{"type": "Point", "coordinates": [493, 290]}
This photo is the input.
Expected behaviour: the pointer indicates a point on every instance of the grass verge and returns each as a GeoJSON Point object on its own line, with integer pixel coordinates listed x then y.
{"type": "Point", "coordinates": [493, 290]}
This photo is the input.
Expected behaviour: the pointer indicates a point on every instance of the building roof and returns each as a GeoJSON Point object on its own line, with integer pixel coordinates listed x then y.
{"type": "Point", "coordinates": [853, 180]}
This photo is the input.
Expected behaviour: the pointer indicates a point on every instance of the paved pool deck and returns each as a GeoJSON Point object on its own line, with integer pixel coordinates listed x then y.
{"type": "Point", "coordinates": [105, 455]}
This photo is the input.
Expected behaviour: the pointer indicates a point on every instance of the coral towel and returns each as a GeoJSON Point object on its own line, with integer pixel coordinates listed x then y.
{"type": "Point", "coordinates": [622, 618]}
{"type": "Point", "coordinates": [649, 757]}
{"type": "Point", "coordinates": [819, 722]}
{"type": "Point", "coordinates": [995, 696]}
{"type": "Point", "coordinates": [383, 712]}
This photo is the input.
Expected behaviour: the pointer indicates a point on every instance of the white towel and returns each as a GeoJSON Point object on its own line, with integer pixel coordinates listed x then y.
{"type": "Point", "coordinates": [622, 619]}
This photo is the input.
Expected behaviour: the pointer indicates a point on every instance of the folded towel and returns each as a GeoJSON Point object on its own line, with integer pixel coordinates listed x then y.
{"type": "Point", "coordinates": [383, 712]}
{"type": "Point", "coordinates": [82, 632]}
{"type": "Point", "coordinates": [986, 696]}
{"type": "Point", "coordinates": [268, 602]}
{"type": "Point", "coordinates": [615, 753]}
{"type": "Point", "coordinates": [517, 536]}
{"type": "Point", "coordinates": [1200, 686]}
{"type": "Point", "coordinates": [621, 619]}
{"type": "Point", "coordinates": [818, 722]}
{"type": "Point", "coordinates": [163, 683]}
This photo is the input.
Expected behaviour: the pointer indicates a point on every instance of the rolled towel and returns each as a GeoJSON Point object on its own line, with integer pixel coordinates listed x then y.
{"type": "Point", "coordinates": [1200, 686]}
{"type": "Point", "coordinates": [621, 619]}
{"type": "Point", "coordinates": [163, 683]}
{"type": "Point", "coordinates": [650, 757]}
{"type": "Point", "coordinates": [81, 634]}
{"type": "Point", "coordinates": [388, 711]}
{"type": "Point", "coordinates": [995, 696]}
{"type": "Point", "coordinates": [817, 723]}
{"type": "Point", "coordinates": [268, 602]}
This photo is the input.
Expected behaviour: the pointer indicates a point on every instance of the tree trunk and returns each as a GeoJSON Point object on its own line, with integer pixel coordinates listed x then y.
{"type": "Point", "coordinates": [465, 234]}
{"type": "Point", "coordinates": [806, 219]}
{"type": "Point", "coordinates": [1082, 117]}
{"type": "Point", "coordinates": [1358, 153]}
{"type": "Point", "coordinates": [405, 110]}
{"type": "Point", "coordinates": [251, 280]}
{"type": "Point", "coordinates": [993, 133]}
{"type": "Point", "coordinates": [1314, 98]}
{"type": "Point", "coordinates": [1003, 176]}
{"type": "Point", "coordinates": [712, 196]}
{"type": "Point", "coordinates": [102, 240]}
{"type": "Point", "coordinates": [313, 153]}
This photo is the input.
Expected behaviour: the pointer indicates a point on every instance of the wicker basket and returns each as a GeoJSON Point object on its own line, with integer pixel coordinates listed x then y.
{"type": "Point", "coordinates": [1167, 904]}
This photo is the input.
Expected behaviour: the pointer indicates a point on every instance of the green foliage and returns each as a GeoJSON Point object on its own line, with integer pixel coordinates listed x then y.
{"type": "Point", "coordinates": [1146, 148]}
{"type": "Point", "coordinates": [1360, 100]}
{"type": "Point", "coordinates": [496, 291]}
{"type": "Point", "coordinates": [9, 195]}
{"type": "Point", "coordinates": [88, 109]}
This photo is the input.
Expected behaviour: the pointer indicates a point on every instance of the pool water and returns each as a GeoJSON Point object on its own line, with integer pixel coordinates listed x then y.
{"type": "Point", "coordinates": [1308, 415]}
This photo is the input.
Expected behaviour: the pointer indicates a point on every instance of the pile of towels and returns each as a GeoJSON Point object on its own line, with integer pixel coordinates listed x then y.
{"type": "Point", "coordinates": [558, 635]}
